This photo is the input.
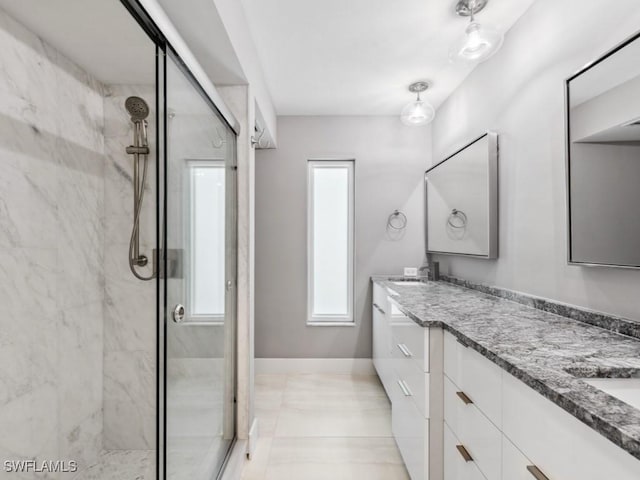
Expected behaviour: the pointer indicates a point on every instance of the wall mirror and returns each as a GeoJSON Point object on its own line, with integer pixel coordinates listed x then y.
{"type": "Point", "coordinates": [603, 159]}
{"type": "Point", "coordinates": [462, 201]}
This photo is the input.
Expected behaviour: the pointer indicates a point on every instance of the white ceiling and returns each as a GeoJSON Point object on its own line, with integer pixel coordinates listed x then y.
{"type": "Point", "coordinates": [98, 35]}
{"type": "Point", "coordinates": [357, 57]}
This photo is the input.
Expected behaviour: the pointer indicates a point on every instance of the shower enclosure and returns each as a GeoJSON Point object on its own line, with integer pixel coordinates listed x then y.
{"type": "Point", "coordinates": [117, 251]}
{"type": "Point", "coordinates": [199, 281]}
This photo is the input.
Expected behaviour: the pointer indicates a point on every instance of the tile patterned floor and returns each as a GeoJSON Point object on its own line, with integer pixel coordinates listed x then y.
{"type": "Point", "coordinates": [323, 427]}
{"type": "Point", "coordinates": [122, 465]}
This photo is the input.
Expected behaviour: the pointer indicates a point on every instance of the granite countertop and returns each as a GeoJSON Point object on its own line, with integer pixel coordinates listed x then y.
{"type": "Point", "coordinates": [546, 351]}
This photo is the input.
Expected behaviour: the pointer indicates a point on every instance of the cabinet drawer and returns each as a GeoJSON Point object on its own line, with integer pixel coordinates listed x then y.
{"type": "Point", "coordinates": [410, 430]}
{"type": "Point", "coordinates": [476, 376]}
{"type": "Point", "coordinates": [416, 381]}
{"type": "Point", "coordinates": [455, 466]}
{"type": "Point", "coordinates": [515, 466]}
{"type": "Point", "coordinates": [560, 445]}
{"type": "Point", "coordinates": [481, 438]}
{"type": "Point", "coordinates": [411, 339]}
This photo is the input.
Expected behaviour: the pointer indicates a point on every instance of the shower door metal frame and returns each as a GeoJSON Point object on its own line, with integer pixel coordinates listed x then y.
{"type": "Point", "coordinates": [231, 229]}
{"type": "Point", "coordinates": [164, 47]}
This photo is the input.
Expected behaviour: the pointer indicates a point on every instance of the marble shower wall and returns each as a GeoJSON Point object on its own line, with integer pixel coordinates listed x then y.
{"type": "Point", "coordinates": [130, 304]}
{"type": "Point", "coordinates": [51, 253]}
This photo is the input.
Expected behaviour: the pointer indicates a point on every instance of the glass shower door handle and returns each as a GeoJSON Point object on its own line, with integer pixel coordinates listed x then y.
{"type": "Point", "coordinates": [178, 313]}
{"type": "Point", "coordinates": [229, 285]}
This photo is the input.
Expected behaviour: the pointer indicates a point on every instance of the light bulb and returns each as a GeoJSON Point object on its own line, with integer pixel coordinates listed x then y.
{"type": "Point", "coordinates": [478, 44]}
{"type": "Point", "coordinates": [417, 113]}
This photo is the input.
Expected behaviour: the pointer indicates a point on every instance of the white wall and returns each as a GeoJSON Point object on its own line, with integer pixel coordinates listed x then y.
{"type": "Point", "coordinates": [520, 94]}
{"type": "Point", "coordinates": [390, 160]}
{"type": "Point", "coordinates": [235, 22]}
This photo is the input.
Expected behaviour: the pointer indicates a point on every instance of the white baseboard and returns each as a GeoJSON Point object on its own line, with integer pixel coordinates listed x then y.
{"type": "Point", "coordinates": [345, 366]}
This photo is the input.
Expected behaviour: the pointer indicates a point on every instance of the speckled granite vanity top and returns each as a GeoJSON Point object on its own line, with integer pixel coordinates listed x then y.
{"type": "Point", "coordinates": [548, 352]}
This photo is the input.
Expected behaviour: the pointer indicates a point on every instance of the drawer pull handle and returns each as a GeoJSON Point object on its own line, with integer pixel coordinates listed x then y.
{"type": "Point", "coordinates": [378, 308]}
{"type": "Point", "coordinates": [463, 396]}
{"type": "Point", "coordinates": [405, 388]}
{"type": "Point", "coordinates": [537, 473]}
{"type": "Point", "coordinates": [464, 453]}
{"type": "Point", "coordinates": [405, 351]}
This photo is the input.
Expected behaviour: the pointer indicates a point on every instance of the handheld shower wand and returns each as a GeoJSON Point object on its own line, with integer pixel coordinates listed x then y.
{"type": "Point", "coordinates": [139, 111]}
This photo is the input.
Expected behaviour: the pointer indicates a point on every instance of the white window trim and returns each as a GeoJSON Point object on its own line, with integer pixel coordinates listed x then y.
{"type": "Point", "coordinates": [190, 317]}
{"type": "Point", "coordinates": [331, 320]}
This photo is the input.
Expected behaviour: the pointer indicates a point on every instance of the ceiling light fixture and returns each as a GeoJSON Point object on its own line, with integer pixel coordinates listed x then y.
{"type": "Point", "coordinates": [419, 112]}
{"type": "Point", "coordinates": [479, 42]}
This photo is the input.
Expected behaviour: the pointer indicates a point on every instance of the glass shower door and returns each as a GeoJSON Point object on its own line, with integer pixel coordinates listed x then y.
{"type": "Point", "coordinates": [200, 280]}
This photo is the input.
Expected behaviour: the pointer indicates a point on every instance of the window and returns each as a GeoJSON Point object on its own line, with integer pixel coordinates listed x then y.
{"type": "Point", "coordinates": [206, 253]}
{"type": "Point", "coordinates": [330, 233]}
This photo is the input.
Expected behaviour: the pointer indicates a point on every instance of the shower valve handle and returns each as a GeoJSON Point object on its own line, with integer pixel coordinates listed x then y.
{"type": "Point", "coordinates": [133, 150]}
{"type": "Point", "coordinates": [178, 313]}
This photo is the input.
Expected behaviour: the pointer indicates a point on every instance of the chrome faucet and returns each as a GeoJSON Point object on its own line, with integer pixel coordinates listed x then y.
{"type": "Point", "coordinates": [432, 269]}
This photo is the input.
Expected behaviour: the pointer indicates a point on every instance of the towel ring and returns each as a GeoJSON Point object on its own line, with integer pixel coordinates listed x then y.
{"type": "Point", "coordinates": [397, 220]}
{"type": "Point", "coordinates": [457, 219]}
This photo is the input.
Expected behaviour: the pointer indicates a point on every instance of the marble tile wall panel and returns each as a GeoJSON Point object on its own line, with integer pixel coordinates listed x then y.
{"type": "Point", "coordinates": [129, 402]}
{"type": "Point", "coordinates": [130, 304]}
{"type": "Point", "coordinates": [51, 252]}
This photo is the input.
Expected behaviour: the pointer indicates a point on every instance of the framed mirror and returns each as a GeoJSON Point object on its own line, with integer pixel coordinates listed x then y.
{"type": "Point", "coordinates": [603, 159]}
{"type": "Point", "coordinates": [462, 201]}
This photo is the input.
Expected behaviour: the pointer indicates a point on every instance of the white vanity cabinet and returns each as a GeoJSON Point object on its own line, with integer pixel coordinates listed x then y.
{"type": "Point", "coordinates": [456, 415]}
{"type": "Point", "coordinates": [408, 359]}
{"type": "Point", "coordinates": [511, 432]}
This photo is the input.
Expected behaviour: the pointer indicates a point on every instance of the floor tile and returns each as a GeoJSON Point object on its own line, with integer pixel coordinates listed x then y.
{"type": "Point", "coordinates": [335, 450]}
{"type": "Point", "coordinates": [314, 471]}
{"type": "Point", "coordinates": [121, 464]}
{"type": "Point", "coordinates": [369, 422]}
{"type": "Point", "coordinates": [338, 384]}
{"type": "Point", "coordinates": [270, 381]}
{"type": "Point", "coordinates": [322, 426]}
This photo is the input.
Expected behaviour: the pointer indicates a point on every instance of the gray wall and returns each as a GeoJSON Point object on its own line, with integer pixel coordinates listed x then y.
{"type": "Point", "coordinates": [520, 94]}
{"type": "Point", "coordinates": [390, 163]}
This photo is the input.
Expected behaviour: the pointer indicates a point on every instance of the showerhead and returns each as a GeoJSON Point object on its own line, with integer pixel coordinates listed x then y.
{"type": "Point", "coordinates": [137, 108]}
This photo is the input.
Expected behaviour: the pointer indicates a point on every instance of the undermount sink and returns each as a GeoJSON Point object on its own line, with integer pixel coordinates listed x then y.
{"type": "Point", "coordinates": [624, 389]}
